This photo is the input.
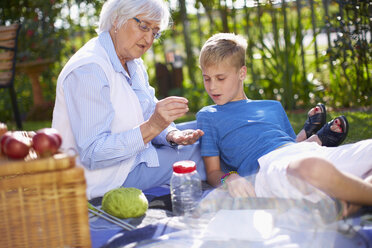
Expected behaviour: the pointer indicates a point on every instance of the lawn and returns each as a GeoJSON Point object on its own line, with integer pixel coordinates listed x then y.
{"type": "Point", "coordinates": [360, 123]}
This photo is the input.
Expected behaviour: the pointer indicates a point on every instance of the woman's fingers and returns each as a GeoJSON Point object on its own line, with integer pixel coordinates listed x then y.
{"type": "Point", "coordinates": [172, 108]}
{"type": "Point", "coordinates": [191, 136]}
{"type": "Point", "coordinates": [173, 103]}
{"type": "Point", "coordinates": [186, 137]}
{"type": "Point", "coordinates": [168, 110]}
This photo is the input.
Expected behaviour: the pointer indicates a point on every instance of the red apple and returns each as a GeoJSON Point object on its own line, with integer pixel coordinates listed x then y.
{"type": "Point", "coordinates": [17, 146]}
{"type": "Point", "coordinates": [45, 144]}
{"type": "Point", "coordinates": [53, 132]}
{"type": "Point", "coordinates": [3, 139]}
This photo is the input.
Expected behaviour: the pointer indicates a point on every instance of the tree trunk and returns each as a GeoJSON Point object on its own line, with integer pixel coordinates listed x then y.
{"type": "Point", "coordinates": [234, 16]}
{"type": "Point", "coordinates": [287, 77]}
{"type": "Point", "coordinates": [223, 13]}
{"type": "Point", "coordinates": [188, 45]}
{"type": "Point", "coordinates": [208, 11]}
{"type": "Point", "coordinates": [200, 32]}
{"type": "Point", "coordinates": [304, 79]}
{"type": "Point", "coordinates": [250, 43]}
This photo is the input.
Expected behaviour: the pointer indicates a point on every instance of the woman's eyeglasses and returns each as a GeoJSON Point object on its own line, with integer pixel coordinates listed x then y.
{"type": "Point", "coordinates": [145, 28]}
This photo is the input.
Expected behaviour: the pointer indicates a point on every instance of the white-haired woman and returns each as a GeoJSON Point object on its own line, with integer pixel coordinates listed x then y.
{"type": "Point", "coordinates": [106, 110]}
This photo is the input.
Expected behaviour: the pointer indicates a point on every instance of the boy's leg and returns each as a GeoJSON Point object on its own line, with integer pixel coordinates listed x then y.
{"type": "Point", "coordinates": [323, 175]}
{"type": "Point", "coordinates": [272, 179]}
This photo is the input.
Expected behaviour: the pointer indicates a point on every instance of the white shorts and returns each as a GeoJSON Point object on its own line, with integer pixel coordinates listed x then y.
{"type": "Point", "coordinates": [272, 180]}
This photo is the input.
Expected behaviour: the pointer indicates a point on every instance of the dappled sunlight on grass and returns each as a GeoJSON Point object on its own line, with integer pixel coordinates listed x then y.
{"type": "Point", "coordinates": [30, 125]}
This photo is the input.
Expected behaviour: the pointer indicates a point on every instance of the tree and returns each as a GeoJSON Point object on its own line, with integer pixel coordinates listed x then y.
{"type": "Point", "coordinates": [44, 39]}
{"type": "Point", "coordinates": [190, 60]}
{"type": "Point", "coordinates": [208, 7]}
{"type": "Point", "coordinates": [38, 32]}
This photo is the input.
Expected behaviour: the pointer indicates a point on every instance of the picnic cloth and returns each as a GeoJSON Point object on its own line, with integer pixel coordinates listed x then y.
{"type": "Point", "coordinates": [159, 208]}
{"type": "Point", "coordinates": [159, 212]}
{"type": "Point", "coordinates": [339, 234]}
{"type": "Point", "coordinates": [291, 222]}
{"type": "Point", "coordinates": [222, 221]}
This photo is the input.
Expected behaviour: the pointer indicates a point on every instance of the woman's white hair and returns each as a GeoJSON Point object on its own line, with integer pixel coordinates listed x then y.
{"type": "Point", "coordinates": [123, 10]}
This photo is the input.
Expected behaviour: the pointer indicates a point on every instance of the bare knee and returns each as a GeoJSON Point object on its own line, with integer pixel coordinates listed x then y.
{"type": "Point", "coordinates": [307, 169]}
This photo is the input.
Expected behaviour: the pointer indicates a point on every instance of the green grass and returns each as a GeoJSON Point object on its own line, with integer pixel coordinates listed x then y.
{"type": "Point", "coordinates": [30, 125]}
{"type": "Point", "coordinates": [360, 123]}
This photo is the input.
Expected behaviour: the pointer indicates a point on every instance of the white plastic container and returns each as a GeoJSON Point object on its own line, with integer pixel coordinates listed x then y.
{"type": "Point", "coordinates": [185, 186]}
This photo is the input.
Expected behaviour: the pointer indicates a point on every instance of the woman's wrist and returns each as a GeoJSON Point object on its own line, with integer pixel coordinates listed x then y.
{"type": "Point", "coordinates": [149, 131]}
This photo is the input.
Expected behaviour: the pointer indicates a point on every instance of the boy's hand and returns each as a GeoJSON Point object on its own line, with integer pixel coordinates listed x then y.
{"type": "Point", "coordinates": [185, 137]}
{"type": "Point", "coordinates": [239, 187]}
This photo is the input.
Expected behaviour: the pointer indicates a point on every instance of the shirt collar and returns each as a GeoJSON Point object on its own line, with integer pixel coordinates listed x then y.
{"type": "Point", "coordinates": [108, 45]}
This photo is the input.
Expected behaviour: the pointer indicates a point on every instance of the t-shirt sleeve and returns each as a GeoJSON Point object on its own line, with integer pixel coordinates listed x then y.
{"type": "Point", "coordinates": [208, 142]}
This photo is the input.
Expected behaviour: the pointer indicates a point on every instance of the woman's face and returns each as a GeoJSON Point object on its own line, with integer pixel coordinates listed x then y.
{"type": "Point", "coordinates": [131, 41]}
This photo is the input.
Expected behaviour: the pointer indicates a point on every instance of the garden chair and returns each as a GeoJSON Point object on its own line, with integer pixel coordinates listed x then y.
{"type": "Point", "coordinates": [8, 52]}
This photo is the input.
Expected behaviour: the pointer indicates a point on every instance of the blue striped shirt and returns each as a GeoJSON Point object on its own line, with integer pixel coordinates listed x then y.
{"type": "Point", "coordinates": [91, 113]}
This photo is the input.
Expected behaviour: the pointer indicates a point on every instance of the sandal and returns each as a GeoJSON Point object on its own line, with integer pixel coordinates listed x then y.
{"type": "Point", "coordinates": [330, 138]}
{"type": "Point", "coordinates": [315, 122]}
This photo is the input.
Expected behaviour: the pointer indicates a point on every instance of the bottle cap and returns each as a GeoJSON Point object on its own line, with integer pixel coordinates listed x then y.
{"type": "Point", "coordinates": [184, 166]}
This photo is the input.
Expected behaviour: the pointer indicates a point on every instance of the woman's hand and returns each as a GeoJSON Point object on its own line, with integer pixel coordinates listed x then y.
{"type": "Point", "coordinates": [239, 187]}
{"type": "Point", "coordinates": [185, 137]}
{"type": "Point", "coordinates": [166, 111]}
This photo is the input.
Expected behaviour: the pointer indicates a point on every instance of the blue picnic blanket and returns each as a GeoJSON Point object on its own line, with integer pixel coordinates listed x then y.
{"type": "Point", "coordinates": [159, 227]}
{"type": "Point", "coordinates": [101, 230]}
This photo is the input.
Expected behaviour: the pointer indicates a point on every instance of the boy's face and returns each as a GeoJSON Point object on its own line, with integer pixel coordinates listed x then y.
{"type": "Point", "coordinates": [224, 82]}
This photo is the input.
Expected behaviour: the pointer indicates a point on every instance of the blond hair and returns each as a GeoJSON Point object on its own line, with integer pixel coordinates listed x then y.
{"type": "Point", "coordinates": [223, 46]}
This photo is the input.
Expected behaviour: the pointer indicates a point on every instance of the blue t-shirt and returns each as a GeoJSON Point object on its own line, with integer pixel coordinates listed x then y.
{"type": "Point", "coordinates": [241, 132]}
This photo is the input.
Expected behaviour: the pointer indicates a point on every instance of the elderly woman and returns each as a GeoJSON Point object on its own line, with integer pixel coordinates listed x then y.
{"type": "Point", "coordinates": [106, 110]}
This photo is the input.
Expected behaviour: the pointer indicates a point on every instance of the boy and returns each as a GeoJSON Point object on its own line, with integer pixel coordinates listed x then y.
{"type": "Point", "coordinates": [256, 137]}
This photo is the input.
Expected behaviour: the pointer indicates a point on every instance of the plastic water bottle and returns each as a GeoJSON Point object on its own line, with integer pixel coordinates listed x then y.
{"type": "Point", "coordinates": [185, 186]}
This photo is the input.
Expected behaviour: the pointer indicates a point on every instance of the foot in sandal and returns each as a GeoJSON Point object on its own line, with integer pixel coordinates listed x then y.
{"type": "Point", "coordinates": [316, 118]}
{"type": "Point", "coordinates": [334, 132]}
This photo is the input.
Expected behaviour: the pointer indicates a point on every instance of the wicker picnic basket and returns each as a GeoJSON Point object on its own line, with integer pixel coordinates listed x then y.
{"type": "Point", "coordinates": [43, 203]}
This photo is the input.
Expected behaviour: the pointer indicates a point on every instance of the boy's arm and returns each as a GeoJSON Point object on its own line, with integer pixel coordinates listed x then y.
{"type": "Point", "coordinates": [237, 186]}
{"type": "Point", "coordinates": [213, 170]}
